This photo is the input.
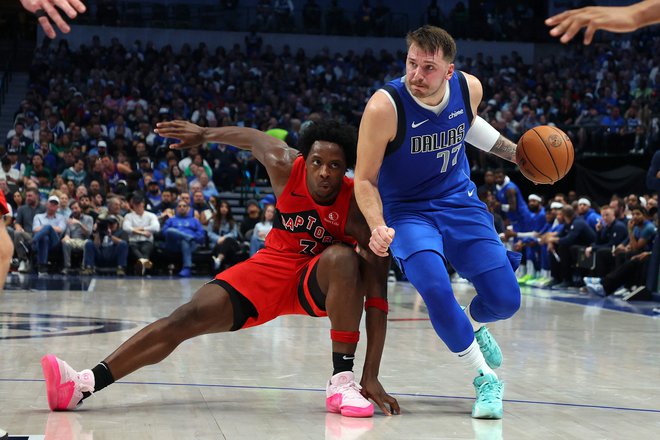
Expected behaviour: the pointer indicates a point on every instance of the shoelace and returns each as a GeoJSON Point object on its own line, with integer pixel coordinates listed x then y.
{"type": "Point", "coordinates": [485, 340]}
{"type": "Point", "coordinates": [490, 392]}
{"type": "Point", "coordinates": [352, 389]}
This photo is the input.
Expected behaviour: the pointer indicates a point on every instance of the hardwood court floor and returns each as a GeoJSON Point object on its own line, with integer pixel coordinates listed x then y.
{"type": "Point", "coordinates": [573, 370]}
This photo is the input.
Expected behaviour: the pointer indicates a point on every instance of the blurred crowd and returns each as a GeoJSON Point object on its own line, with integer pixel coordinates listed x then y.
{"type": "Point", "coordinates": [83, 139]}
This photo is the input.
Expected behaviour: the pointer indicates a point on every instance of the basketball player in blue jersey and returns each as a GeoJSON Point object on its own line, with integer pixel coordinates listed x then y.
{"type": "Point", "coordinates": [412, 183]}
{"type": "Point", "coordinates": [512, 202]}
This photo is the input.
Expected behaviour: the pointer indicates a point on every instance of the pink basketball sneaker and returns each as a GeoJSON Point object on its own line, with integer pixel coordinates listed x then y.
{"type": "Point", "coordinates": [64, 385]}
{"type": "Point", "coordinates": [343, 396]}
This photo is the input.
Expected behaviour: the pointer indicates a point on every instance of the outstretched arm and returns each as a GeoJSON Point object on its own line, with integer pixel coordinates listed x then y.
{"type": "Point", "coordinates": [609, 18]}
{"type": "Point", "coordinates": [273, 153]}
{"type": "Point", "coordinates": [46, 10]}
{"type": "Point", "coordinates": [373, 276]}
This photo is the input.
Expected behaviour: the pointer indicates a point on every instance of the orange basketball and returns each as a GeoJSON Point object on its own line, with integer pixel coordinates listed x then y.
{"type": "Point", "coordinates": [544, 154]}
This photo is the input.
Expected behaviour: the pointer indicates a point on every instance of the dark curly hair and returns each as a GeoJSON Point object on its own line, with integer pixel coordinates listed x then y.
{"type": "Point", "coordinates": [333, 131]}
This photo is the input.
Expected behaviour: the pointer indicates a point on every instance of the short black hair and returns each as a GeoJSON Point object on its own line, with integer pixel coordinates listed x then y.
{"type": "Point", "coordinates": [333, 131]}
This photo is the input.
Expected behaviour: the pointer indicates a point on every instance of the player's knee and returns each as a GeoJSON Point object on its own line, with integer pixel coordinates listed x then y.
{"type": "Point", "coordinates": [343, 260]}
{"type": "Point", "coordinates": [508, 305]}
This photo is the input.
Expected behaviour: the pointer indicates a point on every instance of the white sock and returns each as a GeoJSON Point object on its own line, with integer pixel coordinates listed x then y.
{"type": "Point", "coordinates": [473, 357]}
{"type": "Point", "coordinates": [530, 268]}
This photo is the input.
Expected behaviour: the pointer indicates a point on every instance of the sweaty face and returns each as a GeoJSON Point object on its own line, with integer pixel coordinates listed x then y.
{"type": "Point", "coordinates": [326, 166]}
{"type": "Point", "coordinates": [426, 74]}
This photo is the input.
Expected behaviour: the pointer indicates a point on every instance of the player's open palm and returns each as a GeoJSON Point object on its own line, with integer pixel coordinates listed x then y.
{"type": "Point", "coordinates": [372, 389]}
{"type": "Point", "coordinates": [187, 133]}
{"type": "Point", "coordinates": [568, 23]}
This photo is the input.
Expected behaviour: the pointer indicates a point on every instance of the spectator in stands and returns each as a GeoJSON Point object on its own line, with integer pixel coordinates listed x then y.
{"type": "Point", "coordinates": [48, 229]}
{"type": "Point", "coordinates": [141, 226]}
{"type": "Point", "coordinates": [489, 183]}
{"type": "Point", "coordinates": [201, 209]}
{"type": "Point", "coordinates": [35, 167]}
{"type": "Point", "coordinates": [207, 187]}
{"type": "Point", "coordinates": [86, 206]}
{"type": "Point", "coordinates": [9, 174]}
{"type": "Point", "coordinates": [575, 236]}
{"type": "Point", "coordinates": [587, 213]}
{"type": "Point", "coordinates": [153, 193]}
{"type": "Point", "coordinates": [253, 211]}
{"type": "Point", "coordinates": [226, 169]}
{"type": "Point", "coordinates": [619, 207]}
{"type": "Point", "coordinates": [23, 232]}
{"type": "Point", "coordinates": [78, 230]}
{"type": "Point", "coordinates": [168, 201]}
{"type": "Point", "coordinates": [184, 234]}
{"type": "Point", "coordinates": [16, 164]}
{"type": "Point", "coordinates": [610, 232]}
{"type": "Point", "coordinates": [64, 209]}
{"type": "Point", "coordinates": [16, 201]}
{"type": "Point", "coordinates": [113, 208]}
{"type": "Point", "coordinates": [108, 248]}
{"type": "Point", "coordinates": [261, 229]}
{"type": "Point", "coordinates": [223, 233]}
{"type": "Point", "coordinates": [614, 122]}
{"type": "Point", "coordinates": [173, 174]}
{"type": "Point", "coordinates": [641, 233]}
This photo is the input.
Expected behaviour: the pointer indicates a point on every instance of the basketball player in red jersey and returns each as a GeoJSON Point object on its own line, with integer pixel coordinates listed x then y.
{"type": "Point", "coordinates": [309, 266]}
{"type": "Point", "coordinates": [6, 245]}
{"type": "Point", "coordinates": [6, 252]}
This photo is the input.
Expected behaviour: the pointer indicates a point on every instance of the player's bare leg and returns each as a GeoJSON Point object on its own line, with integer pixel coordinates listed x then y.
{"type": "Point", "coordinates": [338, 275]}
{"type": "Point", "coordinates": [209, 311]}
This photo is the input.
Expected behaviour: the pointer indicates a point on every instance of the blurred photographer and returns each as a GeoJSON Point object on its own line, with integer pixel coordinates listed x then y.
{"type": "Point", "coordinates": [107, 248]}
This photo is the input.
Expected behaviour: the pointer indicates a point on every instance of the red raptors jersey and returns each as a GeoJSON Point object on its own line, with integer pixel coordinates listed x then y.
{"type": "Point", "coordinates": [300, 225]}
{"type": "Point", "coordinates": [3, 204]}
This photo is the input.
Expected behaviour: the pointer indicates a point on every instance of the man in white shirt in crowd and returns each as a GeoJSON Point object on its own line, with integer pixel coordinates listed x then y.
{"type": "Point", "coordinates": [141, 226]}
{"type": "Point", "coordinates": [47, 228]}
{"type": "Point", "coordinates": [78, 229]}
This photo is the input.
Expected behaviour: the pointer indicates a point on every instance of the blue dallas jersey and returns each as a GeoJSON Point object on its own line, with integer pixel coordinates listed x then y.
{"type": "Point", "coordinates": [427, 158]}
{"type": "Point", "coordinates": [425, 186]}
{"type": "Point", "coordinates": [519, 219]}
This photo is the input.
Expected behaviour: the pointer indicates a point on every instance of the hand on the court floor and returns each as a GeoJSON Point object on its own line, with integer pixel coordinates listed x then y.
{"type": "Point", "coordinates": [372, 389]}
{"type": "Point", "coordinates": [381, 238]}
{"type": "Point", "coordinates": [188, 134]}
{"type": "Point", "coordinates": [568, 23]}
{"type": "Point", "coordinates": [71, 7]}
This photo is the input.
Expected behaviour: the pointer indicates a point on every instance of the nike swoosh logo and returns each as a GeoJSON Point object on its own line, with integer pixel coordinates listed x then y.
{"type": "Point", "coordinates": [470, 193]}
{"type": "Point", "coordinates": [417, 124]}
{"type": "Point", "coordinates": [346, 358]}
{"type": "Point", "coordinates": [297, 195]}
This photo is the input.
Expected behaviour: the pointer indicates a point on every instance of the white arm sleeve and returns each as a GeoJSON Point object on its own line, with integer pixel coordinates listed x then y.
{"type": "Point", "coordinates": [482, 135]}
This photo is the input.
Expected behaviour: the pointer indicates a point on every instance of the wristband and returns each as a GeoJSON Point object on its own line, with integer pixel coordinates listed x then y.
{"type": "Point", "coordinates": [379, 303]}
{"type": "Point", "coordinates": [482, 135]}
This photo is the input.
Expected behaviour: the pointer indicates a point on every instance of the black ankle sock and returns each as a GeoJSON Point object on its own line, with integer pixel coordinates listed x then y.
{"type": "Point", "coordinates": [342, 362]}
{"type": "Point", "coordinates": [102, 378]}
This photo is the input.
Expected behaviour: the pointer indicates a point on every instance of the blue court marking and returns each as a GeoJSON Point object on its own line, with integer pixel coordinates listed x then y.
{"type": "Point", "coordinates": [318, 390]}
{"type": "Point", "coordinates": [609, 302]}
